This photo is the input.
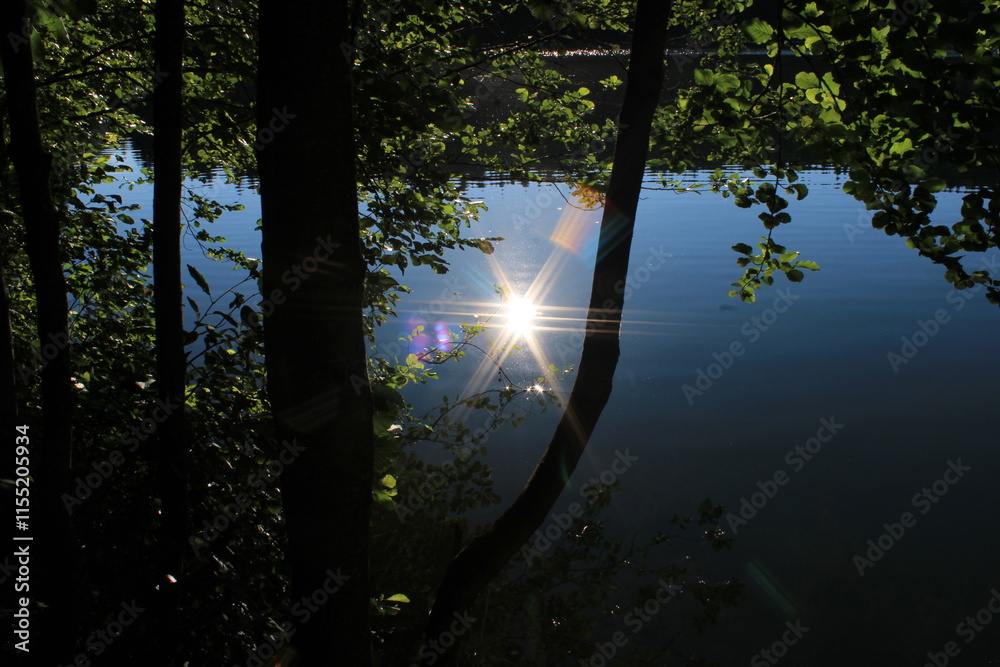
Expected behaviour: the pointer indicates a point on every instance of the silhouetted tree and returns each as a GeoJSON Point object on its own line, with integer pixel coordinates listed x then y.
{"type": "Point", "coordinates": [486, 555]}
{"type": "Point", "coordinates": [315, 339]}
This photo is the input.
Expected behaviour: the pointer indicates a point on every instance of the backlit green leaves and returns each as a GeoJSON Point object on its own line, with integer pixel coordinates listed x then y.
{"type": "Point", "coordinates": [760, 267]}
{"type": "Point", "coordinates": [759, 31]}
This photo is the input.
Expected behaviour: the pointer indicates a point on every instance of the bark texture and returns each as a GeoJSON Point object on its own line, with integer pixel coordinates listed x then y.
{"type": "Point", "coordinates": [171, 360]}
{"type": "Point", "coordinates": [56, 554]}
{"type": "Point", "coordinates": [314, 338]}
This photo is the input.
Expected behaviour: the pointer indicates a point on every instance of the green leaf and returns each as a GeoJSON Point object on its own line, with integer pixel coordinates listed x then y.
{"type": "Point", "coordinates": [935, 184]}
{"type": "Point", "coordinates": [200, 279]}
{"type": "Point", "coordinates": [398, 597]}
{"type": "Point", "coordinates": [901, 147]}
{"type": "Point", "coordinates": [759, 31]}
{"type": "Point", "coordinates": [795, 275]}
{"type": "Point", "coordinates": [727, 82]}
{"type": "Point", "coordinates": [806, 80]}
{"type": "Point", "coordinates": [484, 245]}
{"type": "Point", "coordinates": [704, 77]}
{"type": "Point", "coordinates": [807, 264]}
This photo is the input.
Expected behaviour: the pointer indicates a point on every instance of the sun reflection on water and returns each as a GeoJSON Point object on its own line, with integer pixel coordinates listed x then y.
{"type": "Point", "coordinates": [520, 313]}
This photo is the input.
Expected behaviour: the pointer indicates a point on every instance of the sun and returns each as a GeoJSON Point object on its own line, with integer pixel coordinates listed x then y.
{"type": "Point", "coordinates": [520, 313]}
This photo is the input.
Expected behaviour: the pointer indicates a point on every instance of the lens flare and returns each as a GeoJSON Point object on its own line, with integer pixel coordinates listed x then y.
{"type": "Point", "coordinates": [520, 313]}
{"type": "Point", "coordinates": [443, 336]}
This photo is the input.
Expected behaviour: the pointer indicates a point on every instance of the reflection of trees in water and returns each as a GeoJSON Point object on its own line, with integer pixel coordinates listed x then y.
{"type": "Point", "coordinates": [570, 594]}
{"type": "Point", "coordinates": [589, 595]}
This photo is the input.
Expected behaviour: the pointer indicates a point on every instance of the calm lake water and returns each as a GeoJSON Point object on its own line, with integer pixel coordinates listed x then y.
{"type": "Point", "coordinates": [811, 429]}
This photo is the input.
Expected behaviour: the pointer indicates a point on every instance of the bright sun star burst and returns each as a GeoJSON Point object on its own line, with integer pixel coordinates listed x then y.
{"type": "Point", "coordinates": [520, 313]}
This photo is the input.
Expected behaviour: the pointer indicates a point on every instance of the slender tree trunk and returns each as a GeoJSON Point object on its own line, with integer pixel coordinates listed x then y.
{"type": "Point", "coordinates": [171, 360]}
{"type": "Point", "coordinates": [485, 556]}
{"type": "Point", "coordinates": [54, 550]}
{"type": "Point", "coordinates": [314, 331]}
{"type": "Point", "coordinates": [8, 382]}
{"type": "Point", "coordinates": [9, 412]}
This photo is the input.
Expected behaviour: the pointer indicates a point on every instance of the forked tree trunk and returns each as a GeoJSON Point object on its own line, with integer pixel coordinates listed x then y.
{"type": "Point", "coordinates": [485, 556]}
{"type": "Point", "coordinates": [54, 550]}
{"type": "Point", "coordinates": [314, 339]}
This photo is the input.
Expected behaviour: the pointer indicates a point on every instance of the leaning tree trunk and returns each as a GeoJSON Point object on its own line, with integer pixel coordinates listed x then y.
{"type": "Point", "coordinates": [485, 556]}
{"type": "Point", "coordinates": [54, 550]}
{"type": "Point", "coordinates": [314, 338]}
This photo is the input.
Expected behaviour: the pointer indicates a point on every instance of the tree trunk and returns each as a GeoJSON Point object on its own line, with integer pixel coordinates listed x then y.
{"type": "Point", "coordinates": [485, 556]}
{"type": "Point", "coordinates": [8, 372]}
{"type": "Point", "coordinates": [314, 338]}
{"type": "Point", "coordinates": [54, 550]}
{"type": "Point", "coordinates": [171, 361]}
{"type": "Point", "coordinates": [9, 412]}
